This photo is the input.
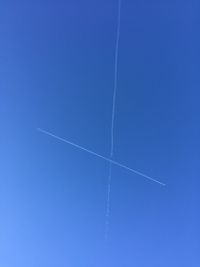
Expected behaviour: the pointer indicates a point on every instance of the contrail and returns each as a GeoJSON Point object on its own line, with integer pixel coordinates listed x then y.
{"type": "Point", "coordinates": [113, 116]}
{"type": "Point", "coordinates": [108, 202]}
{"type": "Point", "coordinates": [100, 156]}
{"type": "Point", "coordinates": [115, 77]}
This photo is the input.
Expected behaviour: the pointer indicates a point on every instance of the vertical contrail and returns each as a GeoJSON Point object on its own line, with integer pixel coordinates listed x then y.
{"type": "Point", "coordinates": [115, 77]}
{"type": "Point", "coordinates": [113, 117]}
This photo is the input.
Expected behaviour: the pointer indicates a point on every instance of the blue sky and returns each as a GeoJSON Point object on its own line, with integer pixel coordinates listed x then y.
{"type": "Point", "coordinates": [57, 70]}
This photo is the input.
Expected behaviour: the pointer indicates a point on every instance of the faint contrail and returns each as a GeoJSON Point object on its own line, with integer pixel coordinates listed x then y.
{"type": "Point", "coordinates": [108, 201]}
{"type": "Point", "coordinates": [100, 156]}
{"type": "Point", "coordinates": [113, 116]}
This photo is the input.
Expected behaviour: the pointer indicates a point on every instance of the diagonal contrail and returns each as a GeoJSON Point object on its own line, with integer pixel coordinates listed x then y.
{"type": "Point", "coordinates": [100, 156]}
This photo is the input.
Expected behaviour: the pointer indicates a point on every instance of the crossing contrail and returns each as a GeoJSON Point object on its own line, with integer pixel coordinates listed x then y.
{"type": "Point", "coordinates": [100, 156]}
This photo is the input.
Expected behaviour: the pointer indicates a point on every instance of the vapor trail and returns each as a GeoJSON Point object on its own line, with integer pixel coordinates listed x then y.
{"type": "Point", "coordinates": [113, 116]}
{"type": "Point", "coordinates": [108, 202]}
{"type": "Point", "coordinates": [100, 156]}
{"type": "Point", "coordinates": [115, 77]}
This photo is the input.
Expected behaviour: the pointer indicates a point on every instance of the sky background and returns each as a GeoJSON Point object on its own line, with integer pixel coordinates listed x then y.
{"type": "Point", "coordinates": [56, 73]}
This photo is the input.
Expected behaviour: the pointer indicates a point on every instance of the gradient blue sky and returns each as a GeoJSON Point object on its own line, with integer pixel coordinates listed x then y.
{"type": "Point", "coordinates": [56, 72]}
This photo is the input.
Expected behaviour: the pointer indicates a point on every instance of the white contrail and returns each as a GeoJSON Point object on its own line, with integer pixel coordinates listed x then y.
{"type": "Point", "coordinates": [108, 202]}
{"type": "Point", "coordinates": [113, 116]}
{"type": "Point", "coordinates": [100, 156]}
{"type": "Point", "coordinates": [115, 77]}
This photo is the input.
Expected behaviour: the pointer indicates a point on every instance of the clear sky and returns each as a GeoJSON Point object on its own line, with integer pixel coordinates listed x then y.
{"type": "Point", "coordinates": [56, 73]}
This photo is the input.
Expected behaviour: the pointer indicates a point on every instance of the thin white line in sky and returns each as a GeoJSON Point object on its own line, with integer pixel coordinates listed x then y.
{"type": "Point", "coordinates": [100, 156]}
{"type": "Point", "coordinates": [113, 117]}
{"type": "Point", "coordinates": [108, 202]}
{"type": "Point", "coordinates": [115, 77]}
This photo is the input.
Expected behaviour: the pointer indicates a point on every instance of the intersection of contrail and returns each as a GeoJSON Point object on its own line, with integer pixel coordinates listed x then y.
{"type": "Point", "coordinates": [100, 156]}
